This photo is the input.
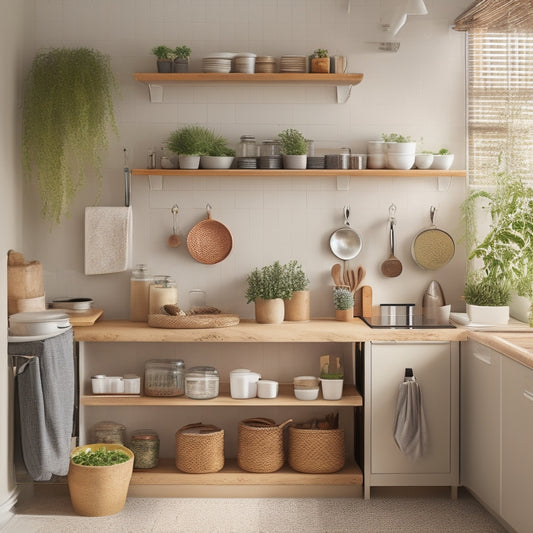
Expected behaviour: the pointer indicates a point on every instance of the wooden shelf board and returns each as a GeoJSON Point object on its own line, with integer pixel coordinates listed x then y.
{"type": "Point", "coordinates": [351, 398]}
{"type": "Point", "coordinates": [166, 473]}
{"type": "Point", "coordinates": [384, 173]}
{"type": "Point", "coordinates": [284, 77]}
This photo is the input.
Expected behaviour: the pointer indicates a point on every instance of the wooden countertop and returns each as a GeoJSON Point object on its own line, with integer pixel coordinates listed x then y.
{"type": "Point", "coordinates": [516, 345]}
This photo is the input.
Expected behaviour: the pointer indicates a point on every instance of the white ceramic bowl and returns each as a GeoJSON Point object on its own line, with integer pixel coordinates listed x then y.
{"type": "Point", "coordinates": [376, 147]}
{"type": "Point", "coordinates": [306, 382]}
{"type": "Point", "coordinates": [375, 161]}
{"type": "Point", "coordinates": [210, 161]}
{"type": "Point", "coordinates": [400, 161]}
{"type": "Point", "coordinates": [38, 323]}
{"type": "Point", "coordinates": [306, 394]}
{"type": "Point", "coordinates": [423, 161]}
{"type": "Point", "coordinates": [442, 162]}
{"type": "Point", "coordinates": [401, 148]}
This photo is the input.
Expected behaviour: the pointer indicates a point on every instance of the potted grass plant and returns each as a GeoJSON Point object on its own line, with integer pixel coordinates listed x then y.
{"type": "Point", "coordinates": [293, 149]}
{"type": "Point", "coordinates": [67, 115]}
{"type": "Point", "coordinates": [297, 306]}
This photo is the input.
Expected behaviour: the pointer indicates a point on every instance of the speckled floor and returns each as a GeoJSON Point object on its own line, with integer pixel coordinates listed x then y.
{"type": "Point", "coordinates": [50, 511]}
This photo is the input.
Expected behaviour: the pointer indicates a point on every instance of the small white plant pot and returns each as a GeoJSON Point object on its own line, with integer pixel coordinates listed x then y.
{"type": "Point", "coordinates": [442, 162]}
{"type": "Point", "coordinates": [295, 162]}
{"type": "Point", "coordinates": [189, 162]}
{"type": "Point", "coordinates": [332, 388]}
{"type": "Point", "coordinates": [423, 161]}
{"type": "Point", "coordinates": [213, 161]}
{"type": "Point", "coordinates": [488, 315]}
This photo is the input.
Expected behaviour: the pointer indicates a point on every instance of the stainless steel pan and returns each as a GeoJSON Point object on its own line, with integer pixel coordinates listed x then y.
{"type": "Point", "coordinates": [345, 243]}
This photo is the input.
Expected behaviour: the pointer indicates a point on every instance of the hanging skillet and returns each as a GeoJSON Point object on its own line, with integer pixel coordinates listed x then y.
{"type": "Point", "coordinates": [209, 241]}
{"type": "Point", "coordinates": [346, 243]}
{"type": "Point", "coordinates": [432, 248]}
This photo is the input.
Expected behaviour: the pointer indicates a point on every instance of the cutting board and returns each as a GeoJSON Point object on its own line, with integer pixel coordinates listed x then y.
{"type": "Point", "coordinates": [83, 318]}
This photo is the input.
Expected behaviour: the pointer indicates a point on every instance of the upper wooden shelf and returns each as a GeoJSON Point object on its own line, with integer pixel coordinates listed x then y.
{"type": "Point", "coordinates": [332, 79]}
{"type": "Point", "coordinates": [306, 172]}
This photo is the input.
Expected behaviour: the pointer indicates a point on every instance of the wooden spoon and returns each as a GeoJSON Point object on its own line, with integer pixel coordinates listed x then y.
{"type": "Point", "coordinates": [391, 267]}
{"type": "Point", "coordinates": [336, 274]}
{"type": "Point", "coordinates": [174, 240]}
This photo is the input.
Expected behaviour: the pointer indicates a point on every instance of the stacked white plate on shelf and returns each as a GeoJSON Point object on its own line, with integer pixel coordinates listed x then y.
{"type": "Point", "coordinates": [218, 62]}
{"type": "Point", "coordinates": [244, 62]}
{"type": "Point", "coordinates": [265, 64]}
{"type": "Point", "coordinates": [293, 64]}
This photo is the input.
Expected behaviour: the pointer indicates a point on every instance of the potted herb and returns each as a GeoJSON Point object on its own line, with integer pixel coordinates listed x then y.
{"type": "Point", "coordinates": [67, 114]}
{"type": "Point", "coordinates": [320, 61]}
{"type": "Point", "coordinates": [293, 148]}
{"type": "Point", "coordinates": [189, 142]}
{"type": "Point", "coordinates": [98, 478]}
{"type": "Point", "coordinates": [442, 160]}
{"type": "Point", "coordinates": [297, 306]}
{"type": "Point", "coordinates": [182, 55]}
{"type": "Point", "coordinates": [331, 377]}
{"type": "Point", "coordinates": [503, 258]}
{"type": "Point", "coordinates": [267, 288]}
{"type": "Point", "coordinates": [400, 151]}
{"type": "Point", "coordinates": [343, 302]}
{"type": "Point", "coordinates": [165, 56]}
{"type": "Point", "coordinates": [216, 152]}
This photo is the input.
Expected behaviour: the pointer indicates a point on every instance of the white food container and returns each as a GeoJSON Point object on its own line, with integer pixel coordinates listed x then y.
{"type": "Point", "coordinates": [243, 383]}
{"type": "Point", "coordinates": [267, 388]}
{"type": "Point", "coordinates": [33, 323]}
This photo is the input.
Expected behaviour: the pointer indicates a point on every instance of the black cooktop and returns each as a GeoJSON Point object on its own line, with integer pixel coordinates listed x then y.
{"type": "Point", "coordinates": [405, 322]}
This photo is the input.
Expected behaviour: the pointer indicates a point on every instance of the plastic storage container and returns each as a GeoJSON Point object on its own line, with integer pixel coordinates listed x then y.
{"type": "Point", "coordinates": [164, 377]}
{"type": "Point", "coordinates": [145, 446]}
{"type": "Point", "coordinates": [202, 382]}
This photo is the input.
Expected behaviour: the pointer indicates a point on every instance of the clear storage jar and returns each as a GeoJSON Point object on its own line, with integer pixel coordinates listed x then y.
{"type": "Point", "coordinates": [144, 444]}
{"type": "Point", "coordinates": [163, 291]}
{"type": "Point", "coordinates": [247, 146]}
{"type": "Point", "coordinates": [270, 147]}
{"type": "Point", "coordinates": [202, 382]}
{"type": "Point", "coordinates": [164, 377]}
{"type": "Point", "coordinates": [139, 293]}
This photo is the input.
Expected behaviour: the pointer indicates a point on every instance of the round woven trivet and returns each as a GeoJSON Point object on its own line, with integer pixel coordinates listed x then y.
{"type": "Point", "coordinates": [193, 322]}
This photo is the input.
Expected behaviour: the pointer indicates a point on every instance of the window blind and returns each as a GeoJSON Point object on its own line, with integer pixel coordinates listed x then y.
{"type": "Point", "coordinates": [500, 103]}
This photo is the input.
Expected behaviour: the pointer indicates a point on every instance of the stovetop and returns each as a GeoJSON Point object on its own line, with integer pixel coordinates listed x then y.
{"type": "Point", "coordinates": [405, 322]}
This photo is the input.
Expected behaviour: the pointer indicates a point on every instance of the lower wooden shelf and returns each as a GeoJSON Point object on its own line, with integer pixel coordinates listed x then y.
{"type": "Point", "coordinates": [167, 474]}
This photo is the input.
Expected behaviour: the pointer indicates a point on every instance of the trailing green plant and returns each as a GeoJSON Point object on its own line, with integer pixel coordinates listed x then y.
{"type": "Point", "coordinates": [505, 253]}
{"type": "Point", "coordinates": [182, 52]}
{"type": "Point", "coordinates": [395, 138]}
{"type": "Point", "coordinates": [342, 298]}
{"type": "Point", "coordinates": [296, 278]}
{"type": "Point", "coordinates": [268, 283]}
{"type": "Point", "coordinates": [292, 142]}
{"type": "Point", "coordinates": [67, 114]}
{"type": "Point", "coordinates": [163, 52]}
{"type": "Point", "coordinates": [100, 457]}
{"type": "Point", "coordinates": [321, 52]}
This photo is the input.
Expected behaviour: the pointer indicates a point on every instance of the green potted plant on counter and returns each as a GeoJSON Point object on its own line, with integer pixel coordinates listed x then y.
{"type": "Point", "coordinates": [343, 302]}
{"type": "Point", "coordinates": [182, 55]}
{"type": "Point", "coordinates": [320, 61]}
{"type": "Point", "coordinates": [297, 306]}
{"type": "Point", "coordinates": [67, 115]}
{"type": "Point", "coordinates": [293, 148]}
{"type": "Point", "coordinates": [267, 288]}
{"type": "Point", "coordinates": [165, 57]}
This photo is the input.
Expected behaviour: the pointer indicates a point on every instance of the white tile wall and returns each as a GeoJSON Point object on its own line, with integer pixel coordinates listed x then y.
{"type": "Point", "coordinates": [418, 91]}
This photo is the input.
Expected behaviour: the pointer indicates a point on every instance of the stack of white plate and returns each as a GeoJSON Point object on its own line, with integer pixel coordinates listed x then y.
{"type": "Point", "coordinates": [244, 62]}
{"type": "Point", "coordinates": [265, 64]}
{"type": "Point", "coordinates": [293, 64]}
{"type": "Point", "coordinates": [217, 62]}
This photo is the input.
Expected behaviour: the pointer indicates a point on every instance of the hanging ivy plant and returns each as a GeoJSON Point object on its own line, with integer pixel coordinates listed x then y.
{"type": "Point", "coordinates": [68, 112]}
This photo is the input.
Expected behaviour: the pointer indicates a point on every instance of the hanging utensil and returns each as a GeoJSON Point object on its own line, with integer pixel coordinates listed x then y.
{"type": "Point", "coordinates": [391, 267]}
{"type": "Point", "coordinates": [174, 240]}
{"type": "Point", "coordinates": [336, 274]}
{"type": "Point", "coordinates": [432, 248]}
{"type": "Point", "coordinates": [345, 243]}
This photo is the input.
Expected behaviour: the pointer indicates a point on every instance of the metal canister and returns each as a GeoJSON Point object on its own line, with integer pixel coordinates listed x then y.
{"type": "Point", "coordinates": [145, 447]}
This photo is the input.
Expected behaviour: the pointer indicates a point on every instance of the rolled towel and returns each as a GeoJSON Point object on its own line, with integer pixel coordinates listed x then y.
{"type": "Point", "coordinates": [107, 239]}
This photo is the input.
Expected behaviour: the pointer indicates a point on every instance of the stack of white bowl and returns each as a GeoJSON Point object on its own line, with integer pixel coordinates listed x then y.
{"type": "Point", "coordinates": [376, 157]}
{"type": "Point", "coordinates": [400, 156]}
{"type": "Point", "coordinates": [244, 62]}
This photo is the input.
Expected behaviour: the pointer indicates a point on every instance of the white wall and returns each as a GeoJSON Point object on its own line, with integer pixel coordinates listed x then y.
{"type": "Point", "coordinates": [12, 37]}
{"type": "Point", "coordinates": [418, 91]}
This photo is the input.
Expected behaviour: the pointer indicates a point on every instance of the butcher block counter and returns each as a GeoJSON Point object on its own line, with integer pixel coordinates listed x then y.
{"type": "Point", "coordinates": [515, 345]}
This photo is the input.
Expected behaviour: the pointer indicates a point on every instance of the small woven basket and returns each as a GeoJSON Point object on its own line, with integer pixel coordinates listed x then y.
{"type": "Point", "coordinates": [200, 452]}
{"type": "Point", "coordinates": [316, 451]}
{"type": "Point", "coordinates": [260, 445]}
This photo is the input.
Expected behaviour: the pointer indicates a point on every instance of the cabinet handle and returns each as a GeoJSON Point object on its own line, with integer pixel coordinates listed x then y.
{"type": "Point", "coordinates": [487, 359]}
{"type": "Point", "coordinates": [528, 395]}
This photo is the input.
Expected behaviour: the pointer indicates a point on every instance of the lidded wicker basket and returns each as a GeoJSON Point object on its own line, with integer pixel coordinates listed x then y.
{"type": "Point", "coordinates": [316, 451]}
{"type": "Point", "coordinates": [199, 448]}
{"type": "Point", "coordinates": [260, 445]}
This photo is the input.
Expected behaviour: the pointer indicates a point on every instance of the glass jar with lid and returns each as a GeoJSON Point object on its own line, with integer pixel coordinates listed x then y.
{"type": "Point", "coordinates": [201, 382]}
{"type": "Point", "coordinates": [109, 432]}
{"type": "Point", "coordinates": [144, 444]}
{"type": "Point", "coordinates": [163, 291]}
{"type": "Point", "coordinates": [139, 293]}
{"type": "Point", "coordinates": [164, 377]}
{"type": "Point", "coordinates": [247, 146]}
{"type": "Point", "coordinates": [270, 147]}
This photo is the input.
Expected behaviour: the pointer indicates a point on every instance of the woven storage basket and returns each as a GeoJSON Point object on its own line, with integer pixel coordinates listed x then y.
{"type": "Point", "coordinates": [260, 446]}
{"type": "Point", "coordinates": [192, 321]}
{"type": "Point", "coordinates": [316, 451]}
{"type": "Point", "coordinates": [200, 452]}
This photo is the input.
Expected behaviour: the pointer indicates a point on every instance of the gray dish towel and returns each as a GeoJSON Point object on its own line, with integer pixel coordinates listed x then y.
{"type": "Point", "coordinates": [410, 432]}
{"type": "Point", "coordinates": [45, 383]}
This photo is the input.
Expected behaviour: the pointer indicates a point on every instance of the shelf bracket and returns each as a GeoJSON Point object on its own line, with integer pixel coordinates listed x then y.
{"type": "Point", "coordinates": [343, 183]}
{"type": "Point", "coordinates": [156, 182]}
{"type": "Point", "coordinates": [343, 93]}
{"type": "Point", "coordinates": [444, 183]}
{"type": "Point", "coordinates": [156, 93]}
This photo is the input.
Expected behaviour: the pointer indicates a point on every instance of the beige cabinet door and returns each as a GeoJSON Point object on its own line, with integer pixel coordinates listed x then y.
{"type": "Point", "coordinates": [480, 422]}
{"type": "Point", "coordinates": [431, 364]}
{"type": "Point", "coordinates": [517, 445]}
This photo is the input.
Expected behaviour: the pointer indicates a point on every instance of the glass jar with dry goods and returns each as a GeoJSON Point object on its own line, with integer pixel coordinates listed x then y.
{"type": "Point", "coordinates": [163, 291]}
{"type": "Point", "coordinates": [164, 377]}
{"type": "Point", "coordinates": [139, 293]}
{"type": "Point", "coordinates": [109, 432]}
{"type": "Point", "coordinates": [145, 447]}
{"type": "Point", "coordinates": [201, 382]}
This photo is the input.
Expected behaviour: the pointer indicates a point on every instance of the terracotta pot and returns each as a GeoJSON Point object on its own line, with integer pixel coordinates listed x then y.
{"type": "Point", "coordinates": [344, 315]}
{"type": "Point", "coordinates": [99, 490]}
{"type": "Point", "coordinates": [269, 311]}
{"type": "Point", "coordinates": [320, 65]}
{"type": "Point", "coordinates": [298, 307]}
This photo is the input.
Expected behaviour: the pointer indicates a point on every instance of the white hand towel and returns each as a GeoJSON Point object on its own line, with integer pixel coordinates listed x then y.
{"type": "Point", "coordinates": [107, 239]}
